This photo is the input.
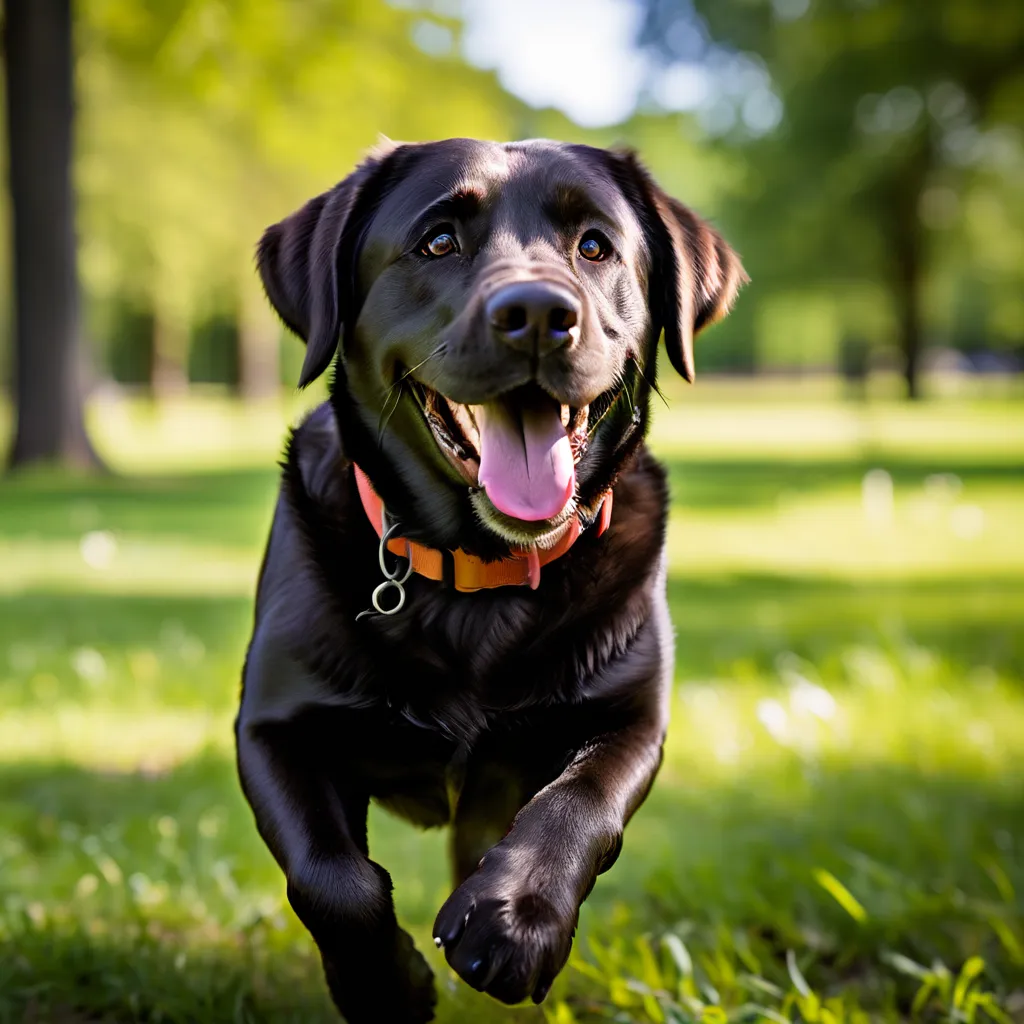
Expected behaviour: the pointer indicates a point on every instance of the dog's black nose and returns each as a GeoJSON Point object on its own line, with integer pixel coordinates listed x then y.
{"type": "Point", "coordinates": [534, 316]}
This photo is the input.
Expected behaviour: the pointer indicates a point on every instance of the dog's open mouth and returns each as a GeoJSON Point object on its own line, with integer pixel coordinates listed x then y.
{"type": "Point", "coordinates": [521, 448]}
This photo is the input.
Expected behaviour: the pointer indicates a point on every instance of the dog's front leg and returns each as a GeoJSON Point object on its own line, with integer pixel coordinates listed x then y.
{"type": "Point", "coordinates": [316, 828]}
{"type": "Point", "coordinates": [508, 928]}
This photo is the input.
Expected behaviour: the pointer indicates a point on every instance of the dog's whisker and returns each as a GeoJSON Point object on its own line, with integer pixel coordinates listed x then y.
{"type": "Point", "coordinates": [619, 386]}
{"type": "Point", "coordinates": [385, 414]}
{"type": "Point", "coordinates": [624, 389]}
{"type": "Point", "coordinates": [653, 385]}
{"type": "Point", "coordinates": [408, 373]}
{"type": "Point", "coordinates": [426, 359]}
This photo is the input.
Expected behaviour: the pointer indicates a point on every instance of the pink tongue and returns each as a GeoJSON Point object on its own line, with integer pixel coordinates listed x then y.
{"type": "Point", "coordinates": [526, 464]}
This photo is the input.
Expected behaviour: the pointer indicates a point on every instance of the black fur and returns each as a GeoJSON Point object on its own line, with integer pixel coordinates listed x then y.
{"type": "Point", "coordinates": [531, 722]}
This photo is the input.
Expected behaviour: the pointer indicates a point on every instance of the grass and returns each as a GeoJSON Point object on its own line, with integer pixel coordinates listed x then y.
{"type": "Point", "coordinates": [838, 831]}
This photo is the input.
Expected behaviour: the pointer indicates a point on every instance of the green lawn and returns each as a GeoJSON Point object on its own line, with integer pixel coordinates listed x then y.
{"type": "Point", "coordinates": [838, 828]}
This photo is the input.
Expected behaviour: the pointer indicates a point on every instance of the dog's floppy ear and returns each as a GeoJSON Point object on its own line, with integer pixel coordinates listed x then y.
{"type": "Point", "coordinates": [694, 274]}
{"type": "Point", "coordinates": [300, 263]}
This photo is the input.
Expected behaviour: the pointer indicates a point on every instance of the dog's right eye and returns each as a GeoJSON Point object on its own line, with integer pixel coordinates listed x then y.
{"type": "Point", "coordinates": [594, 247]}
{"type": "Point", "coordinates": [440, 245]}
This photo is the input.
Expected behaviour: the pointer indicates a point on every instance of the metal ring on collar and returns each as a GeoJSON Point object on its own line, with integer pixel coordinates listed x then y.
{"type": "Point", "coordinates": [378, 591]}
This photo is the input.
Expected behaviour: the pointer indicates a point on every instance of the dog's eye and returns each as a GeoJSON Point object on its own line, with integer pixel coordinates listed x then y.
{"type": "Point", "coordinates": [440, 245]}
{"type": "Point", "coordinates": [594, 247]}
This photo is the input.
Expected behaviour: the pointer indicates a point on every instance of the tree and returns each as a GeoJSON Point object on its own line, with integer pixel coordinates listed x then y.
{"type": "Point", "coordinates": [885, 103]}
{"type": "Point", "coordinates": [47, 352]}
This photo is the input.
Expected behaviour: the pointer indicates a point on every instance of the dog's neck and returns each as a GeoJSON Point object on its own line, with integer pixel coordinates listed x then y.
{"type": "Point", "coordinates": [460, 569]}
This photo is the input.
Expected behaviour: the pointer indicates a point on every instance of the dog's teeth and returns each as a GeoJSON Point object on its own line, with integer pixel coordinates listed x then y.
{"type": "Point", "coordinates": [466, 419]}
{"type": "Point", "coordinates": [577, 431]}
{"type": "Point", "coordinates": [566, 412]}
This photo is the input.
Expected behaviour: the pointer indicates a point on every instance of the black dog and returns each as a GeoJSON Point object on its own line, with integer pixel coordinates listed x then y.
{"type": "Point", "coordinates": [498, 309]}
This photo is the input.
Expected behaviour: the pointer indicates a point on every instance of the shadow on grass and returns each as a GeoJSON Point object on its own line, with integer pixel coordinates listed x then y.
{"type": "Point", "coordinates": [64, 975]}
{"type": "Point", "coordinates": [167, 651]}
{"type": "Point", "coordinates": [55, 619]}
{"type": "Point", "coordinates": [132, 897]}
{"type": "Point", "coordinates": [223, 506]}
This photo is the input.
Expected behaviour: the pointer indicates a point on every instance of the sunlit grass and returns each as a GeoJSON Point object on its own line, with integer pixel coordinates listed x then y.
{"type": "Point", "coordinates": [697, 424]}
{"type": "Point", "coordinates": [111, 739]}
{"type": "Point", "coordinates": [832, 534]}
{"type": "Point", "coordinates": [842, 785]}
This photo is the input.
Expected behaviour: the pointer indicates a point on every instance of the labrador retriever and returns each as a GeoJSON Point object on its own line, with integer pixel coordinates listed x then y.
{"type": "Point", "coordinates": [461, 612]}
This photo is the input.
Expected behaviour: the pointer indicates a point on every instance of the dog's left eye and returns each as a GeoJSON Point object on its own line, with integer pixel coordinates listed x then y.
{"type": "Point", "coordinates": [440, 245]}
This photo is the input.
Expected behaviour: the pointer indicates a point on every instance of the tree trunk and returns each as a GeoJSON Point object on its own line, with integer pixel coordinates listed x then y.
{"type": "Point", "coordinates": [908, 308]}
{"type": "Point", "coordinates": [48, 362]}
{"type": "Point", "coordinates": [259, 341]}
{"type": "Point", "coordinates": [902, 222]}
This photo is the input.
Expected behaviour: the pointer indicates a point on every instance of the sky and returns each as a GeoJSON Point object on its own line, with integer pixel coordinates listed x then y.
{"type": "Point", "coordinates": [577, 55]}
{"type": "Point", "coordinates": [581, 57]}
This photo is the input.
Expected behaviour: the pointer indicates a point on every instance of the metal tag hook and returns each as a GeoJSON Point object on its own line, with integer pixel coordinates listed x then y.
{"type": "Point", "coordinates": [392, 578]}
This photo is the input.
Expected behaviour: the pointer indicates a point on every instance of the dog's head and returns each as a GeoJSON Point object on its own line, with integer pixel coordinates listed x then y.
{"type": "Point", "coordinates": [498, 308]}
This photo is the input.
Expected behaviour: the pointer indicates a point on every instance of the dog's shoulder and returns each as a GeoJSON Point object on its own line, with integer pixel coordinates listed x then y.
{"type": "Point", "coordinates": [315, 464]}
{"type": "Point", "coordinates": [316, 568]}
{"type": "Point", "coordinates": [644, 487]}
{"type": "Point", "coordinates": [632, 547]}
{"type": "Point", "coordinates": [309, 533]}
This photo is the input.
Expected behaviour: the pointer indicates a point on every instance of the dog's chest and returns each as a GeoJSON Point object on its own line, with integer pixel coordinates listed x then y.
{"type": "Point", "coordinates": [477, 638]}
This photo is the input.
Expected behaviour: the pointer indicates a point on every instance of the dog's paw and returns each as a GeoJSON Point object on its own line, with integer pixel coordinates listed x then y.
{"type": "Point", "coordinates": [504, 936]}
{"type": "Point", "coordinates": [372, 989]}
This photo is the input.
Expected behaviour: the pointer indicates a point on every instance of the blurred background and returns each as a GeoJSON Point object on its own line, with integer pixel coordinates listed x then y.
{"type": "Point", "coordinates": [838, 831]}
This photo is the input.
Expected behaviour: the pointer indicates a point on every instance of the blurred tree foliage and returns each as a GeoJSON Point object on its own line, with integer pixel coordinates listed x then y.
{"type": "Point", "coordinates": [201, 121]}
{"type": "Point", "coordinates": [881, 140]}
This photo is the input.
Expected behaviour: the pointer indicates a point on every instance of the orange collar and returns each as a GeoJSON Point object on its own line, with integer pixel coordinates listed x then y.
{"type": "Point", "coordinates": [467, 572]}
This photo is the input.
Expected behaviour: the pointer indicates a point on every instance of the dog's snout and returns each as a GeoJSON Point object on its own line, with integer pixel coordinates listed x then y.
{"type": "Point", "coordinates": [535, 316]}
